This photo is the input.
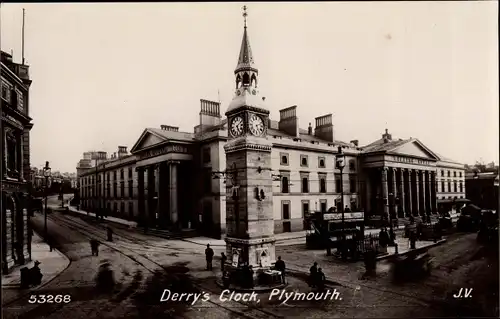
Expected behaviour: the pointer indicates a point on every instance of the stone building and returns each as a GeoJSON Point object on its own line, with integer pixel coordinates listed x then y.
{"type": "Point", "coordinates": [482, 189]}
{"type": "Point", "coordinates": [181, 178]}
{"type": "Point", "coordinates": [16, 171]}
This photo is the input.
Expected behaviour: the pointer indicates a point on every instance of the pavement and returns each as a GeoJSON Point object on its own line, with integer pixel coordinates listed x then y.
{"type": "Point", "coordinates": [52, 263]}
{"type": "Point", "coordinates": [108, 219]}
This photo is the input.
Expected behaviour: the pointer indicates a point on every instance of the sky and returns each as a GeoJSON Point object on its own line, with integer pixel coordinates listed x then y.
{"type": "Point", "coordinates": [102, 73]}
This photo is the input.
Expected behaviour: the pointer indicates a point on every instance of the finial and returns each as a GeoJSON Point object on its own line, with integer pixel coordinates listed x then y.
{"type": "Point", "coordinates": [245, 14]}
{"type": "Point", "coordinates": [386, 131]}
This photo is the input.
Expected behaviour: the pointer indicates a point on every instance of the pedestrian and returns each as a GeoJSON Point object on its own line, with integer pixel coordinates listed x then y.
{"type": "Point", "coordinates": [321, 278]}
{"type": "Point", "coordinates": [280, 265]}
{"type": "Point", "coordinates": [110, 233]}
{"type": "Point", "coordinates": [250, 276]}
{"type": "Point", "coordinates": [209, 255]}
{"type": "Point", "coordinates": [313, 271]}
{"type": "Point", "coordinates": [94, 246]}
{"type": "Point", "coordinates": [223, 259]}
{"type": "Point", "coordinates": [36, 274]}
{"type": "Point", "coordinates": [49, 242]}
{"type": "Point", "coordinates": [226, 279]}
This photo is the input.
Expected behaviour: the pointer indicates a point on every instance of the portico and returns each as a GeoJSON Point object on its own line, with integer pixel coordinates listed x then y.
{"type": "Point", "coordinates": [401, 179]}
{"type": "Point", "coordinates": [164, 199]}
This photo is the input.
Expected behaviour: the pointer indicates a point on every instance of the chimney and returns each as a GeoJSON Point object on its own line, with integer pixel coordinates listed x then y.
{"type": "Point", "coordinates": [289, 122]}
{"type": "Point", "coordinates": [264, 98]}
{"type": "Point", "coordinates": [324, 128]}
{"type": "Point", "coordinates": [169, 128]}
{"type": "Point", "coordinates": [122, 151]}
{"type": "Point", "coordinates": [209, 114]}
{"type": "Point", "coordinates": [387, 137]}
{"type": "Point", "coordinates": [310, 129]}
{"type": "Point", "coordinates": [355, 142]}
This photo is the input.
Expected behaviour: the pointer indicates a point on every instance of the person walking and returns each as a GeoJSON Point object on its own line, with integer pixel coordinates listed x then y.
{"type": "Point", "coordinates": [223, 259]}
{"type": "Point", "coordinates": [94, 246]}
{"type": "Point", "coordinates": [110, 233]}
{"type": "Point", "coordinates": [209, 255]}
{"type": "Point", "coordinates": [280, 265]}
{"type": "Point", "coordinates": [313, 271]}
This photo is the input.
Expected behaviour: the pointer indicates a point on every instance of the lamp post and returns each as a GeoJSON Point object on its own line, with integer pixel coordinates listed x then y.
{"type": "Point", "coordinates": [340, 159]}
{"type": "Point", "coordinates": [46, 174]}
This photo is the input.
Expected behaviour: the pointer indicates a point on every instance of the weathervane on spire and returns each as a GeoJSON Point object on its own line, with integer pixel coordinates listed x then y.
{"type": "Point", "coordinates": [245, 14]}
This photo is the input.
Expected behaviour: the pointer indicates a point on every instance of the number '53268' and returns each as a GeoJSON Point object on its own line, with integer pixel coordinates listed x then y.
{"type": "Point", "coordinates": [49, 299]}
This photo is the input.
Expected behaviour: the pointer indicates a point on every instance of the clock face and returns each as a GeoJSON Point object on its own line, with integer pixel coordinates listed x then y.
{"type": "Point", "coordinates": [237, 126]}
{"type": "Point", "coordinates": [256, 125]}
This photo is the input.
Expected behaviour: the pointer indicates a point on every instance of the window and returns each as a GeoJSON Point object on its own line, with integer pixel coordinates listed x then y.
{"type": "Point", "coordinates": [130, 172]}
{"type": "Point", "coordinates": [442, 173]}
{"type": "Point", "coordinates": [461, 187]}
{"type": "Point", "coordinates": [322, 205]}
{"type": "Point", "coordinates": [455, 187]}
{"type": "Point", "coordinates": [449, 187]}
{"type": "Point", "coordinates": [122, 189]}
{"type": "Point", "coordinates": [122, 207]}
{"type": "Point", "coordinates": [115, 190]}
{"type": "Point", "coordinates": [12, 155]}
{"type": "Point", "coordinates": [448, 173]}
{"type": "Point", "coordinates": [305, 185]}
{"type": "Point", "coordinates": [115, 207]}
{"type": "Point", "coordinates": [122, 174]}
{"type": "Point", "coordinates": [352, 184]}
{"type": "Point", "coordinates": [305, 208]}
{"type": "Point", "coordinates": [284, 158]}
{"type": "Point", "coordinates": [321, 162]}
{"type": "Point", "coordinates": [303, 160]}
{"type": "Point", "coordinates": [206, 155]}
{"type": "Point", "coordinates": [352, 165]}
{"type": "Point", "coordinates": [455, 174]}
{"type": "Point", "coordinates": [284, 184]}
{"type": "Point", "coordinates": [5, 92]}
{"type": "Point", "coordinates": [460, 174]}
{"type": "Point", "coordinates": [285, 210]}
{"type": "Point", "coordinates": [130, 189]}
{"type": "Point", "coordinates": [442, 187]}
{"type": "Point", "coordinates": [337, 183]}
{"type": "Point", "coordinates": [108, 190]}
{"type": "Point", "coordinates": [322, 184]}
{"type": "Point", "coordinates": [114, 175]}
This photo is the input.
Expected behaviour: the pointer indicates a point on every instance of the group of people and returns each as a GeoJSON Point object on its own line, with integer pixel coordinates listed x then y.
{"type": "Point", "coordinates": [386, 238]}
{"type": "Point", "coordinates": [316, 277]}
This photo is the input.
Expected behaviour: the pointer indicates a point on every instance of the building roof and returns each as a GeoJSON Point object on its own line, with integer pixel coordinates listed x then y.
{"type": "Point", "coordinates": [382, 146]}
{"type": "Point", "coordinates": [172, 135]}
{"type": "Point", "coordinates": [485, 175]}
{"type": "Point", "coordinates": [446, 159]}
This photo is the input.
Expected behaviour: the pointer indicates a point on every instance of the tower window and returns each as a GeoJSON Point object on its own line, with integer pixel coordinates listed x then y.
{"type": "Point", "coordinates": [246, 79]}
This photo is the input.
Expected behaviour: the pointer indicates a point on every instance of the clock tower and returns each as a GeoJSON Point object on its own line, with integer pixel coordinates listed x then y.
{"type": "Point", "coordinates": [249, 214]}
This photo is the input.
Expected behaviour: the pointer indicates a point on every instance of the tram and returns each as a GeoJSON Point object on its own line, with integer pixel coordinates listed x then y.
{"type": "Point", "coordinates": [324, 227]}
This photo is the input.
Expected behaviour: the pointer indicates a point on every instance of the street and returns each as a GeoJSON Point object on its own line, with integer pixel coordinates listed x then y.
{"type": "Point", "coordinates": [144, 266]}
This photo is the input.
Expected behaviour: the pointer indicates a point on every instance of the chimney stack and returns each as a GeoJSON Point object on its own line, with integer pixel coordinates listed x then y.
{"type": "Point", "coordinates": [355, 142]}
{"type": "Point", "coordinates": [387, 137]}
{"type": "Point", "coordinates": [310, 129]}
{"type": "Point", "coordinates": [324, 128]}
{"type": "Point", "coordinates": [169, 128]}
{"type": "Point", "coordinates": [209, 114]}
{"type": "Point", "coordinates": [122, 151]}
{"type": "Point", "coordinates": [289, 122]}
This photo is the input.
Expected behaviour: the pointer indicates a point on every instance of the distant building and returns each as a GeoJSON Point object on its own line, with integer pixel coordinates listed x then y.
{"type": "Point", "coordinates": [482, 189]}
{"type": "Point", "coordinates": [16, 172]}
{"type": "Point", "coordinates": [175, 179]}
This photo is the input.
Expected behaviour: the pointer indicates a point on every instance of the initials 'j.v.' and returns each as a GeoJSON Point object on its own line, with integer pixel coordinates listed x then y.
{"type": "Point", "coordinates": [466, 293]}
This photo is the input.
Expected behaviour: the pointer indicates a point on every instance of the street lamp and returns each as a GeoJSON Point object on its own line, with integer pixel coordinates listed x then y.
{"type": "Point", "coordinates": [340, 159]}
{"type": "Point", "coordinates": [46, 174]}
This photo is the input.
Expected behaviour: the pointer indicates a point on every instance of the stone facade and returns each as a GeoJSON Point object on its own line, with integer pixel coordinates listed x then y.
{"type": "Point", "coordinates": [16, 172]}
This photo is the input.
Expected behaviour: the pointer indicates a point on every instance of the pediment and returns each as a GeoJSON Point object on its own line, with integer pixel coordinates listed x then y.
{"type": "Point", "coordinates": [146, 140]}
{"type": "Point", "coordinates": [414, 148]}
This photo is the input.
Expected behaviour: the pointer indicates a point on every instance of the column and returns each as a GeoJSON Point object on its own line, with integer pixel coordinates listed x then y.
{"type": "Point", "coordinates": [410, 193]}
{"type": "Point", "coordinates": [157, 216]}
{"type": "Point", "coordinates": [401, 193]}
{"type": "Point", "coordinates": [423, 200]}
{"type": "Point", "coordinates": [385, 192]}
{"type": "Point", "coordinates": [151, 194]}
{"type": "Point", "coordinates": [163, 194]}
{"type": "Point", "coordinates": [428, 187]}
{"type": "Point", "coordinates": [434, 192]}
{"type": "Point", "coordinates": [140, 195]}
{"type": "Point", "coordinates": [173, 191]}
{"type": "Point", "coordinates": [394, 192]}
{"type": "Point", "coordinates": [416, 194]}
{"type": "Point", "coordinates": [367, 191]}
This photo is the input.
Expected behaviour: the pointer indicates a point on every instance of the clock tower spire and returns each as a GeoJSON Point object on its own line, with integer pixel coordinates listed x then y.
{"type": "Point", "coordinates": [249, 195]}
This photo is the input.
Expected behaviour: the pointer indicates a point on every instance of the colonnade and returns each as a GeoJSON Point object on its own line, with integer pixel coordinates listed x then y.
{"type": "Point", "coordinates": [402, 192]}
{"type": "Point", "coordinates": [158, 195]}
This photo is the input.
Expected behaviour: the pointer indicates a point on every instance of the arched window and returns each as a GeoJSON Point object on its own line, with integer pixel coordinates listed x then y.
{"type": "Point", "coordinates": [238, 82]}
{"type": "Point", "coordinates": [254, 80]}
{"type": "Point", "coordinates": [246, 79]}
{"type": "Point", "coordinates": [284, 185]}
